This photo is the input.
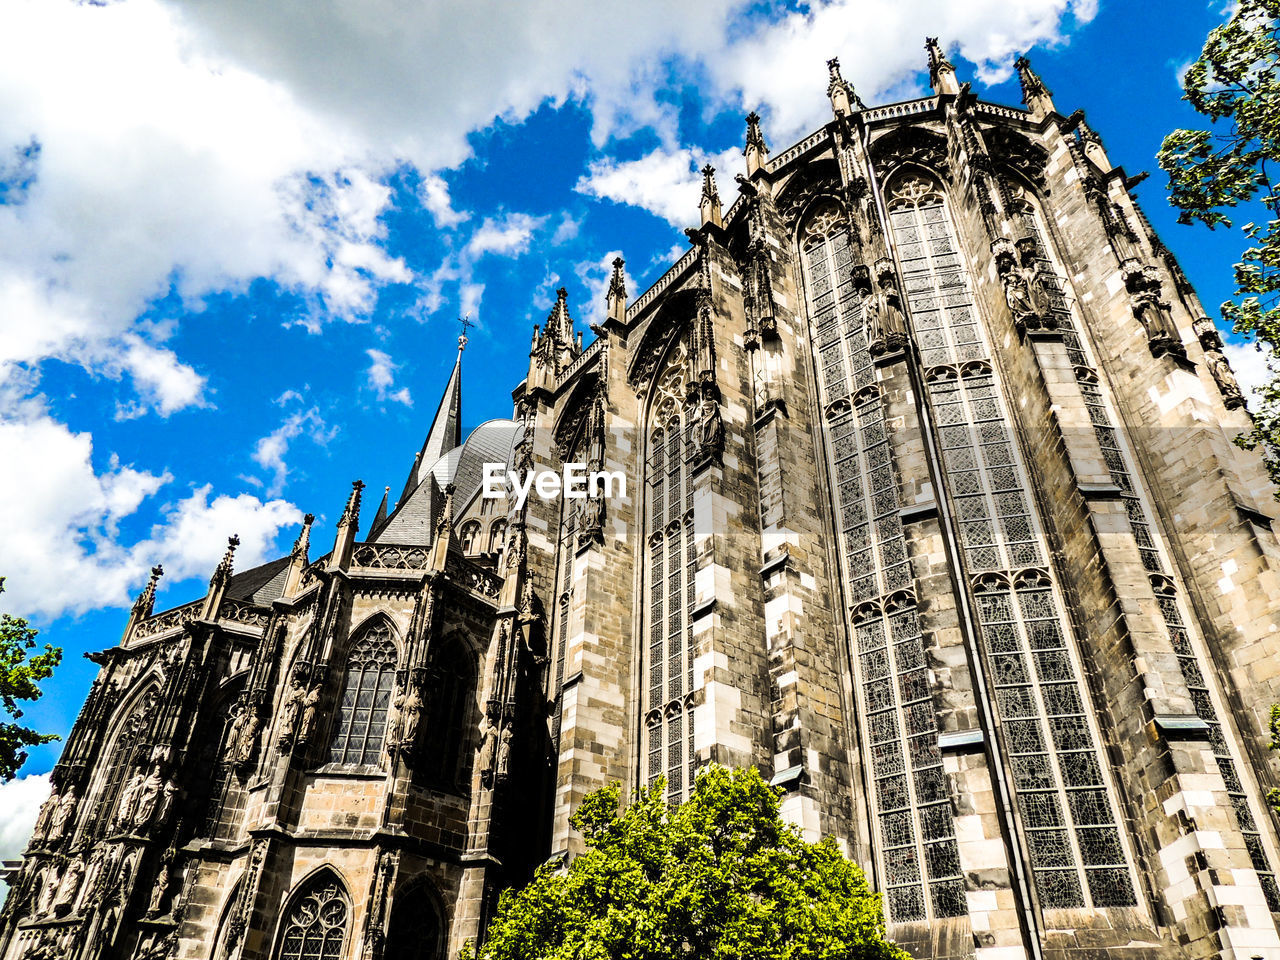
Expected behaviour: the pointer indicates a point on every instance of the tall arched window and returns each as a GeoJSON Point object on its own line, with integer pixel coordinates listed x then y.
{"type": "Point", "coordinates": [225, 798]}
{"type": "Point", "coordinates": [468, 536]}
{"type": "Point", "coordinates": [315, 925]}
{"type": "Point", "coordinates": [124, 756]}
{"type": "Point", "coordinates": [497, 534]}
{"type": "Point", "coordinates": [671, 564]}
{"type": "Point", "coordinates": [1064, 805]}
{"type": "Point", "coordinates": [914, 826]}
{"type": "Point", "coordinates": [450, 695]}
{"type": "Point", "coordinates": [366, 696]}
{"type": "Point", "coordinates": [416, 931]}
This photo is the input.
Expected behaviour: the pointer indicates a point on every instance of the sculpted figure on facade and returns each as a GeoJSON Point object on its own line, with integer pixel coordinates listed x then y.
{"type": "Point", "coordinates": [148, 797]}
{"type": "Point", "coordinates": [291, 711]}
{"type": "Point", "coordinates": [1143, 283]}
{"type": "Point", "coordinates": [487, 749]}
{"type": "Point", "coordinates": [1211, 341]}
{"type": "Point", "coordinates": [885, 322]}
{"type": "Point", "coordinates": [412, 716]}
{"type": "Point", "coordinates": [68, 887]}
{"type": "Point", "coordinates": [63, 814]}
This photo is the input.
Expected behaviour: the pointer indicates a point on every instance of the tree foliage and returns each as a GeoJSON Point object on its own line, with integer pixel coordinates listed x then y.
{"type": "Point", "coordinates": [1236, 84]}
{"type": "Point", "coordinates": [20, 677]}
{"type": "Point", "coordinates": [721, 876]}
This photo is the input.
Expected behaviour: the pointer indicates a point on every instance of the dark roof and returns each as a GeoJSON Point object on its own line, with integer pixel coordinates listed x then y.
{"type": "Point", "coordinates": [261, 584]}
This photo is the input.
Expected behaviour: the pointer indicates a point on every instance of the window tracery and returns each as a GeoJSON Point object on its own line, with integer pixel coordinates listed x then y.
{"type": "Point", "coordinates": [315, 927]}
{"type": "Point", "coordinates": [366, 696]}
{"type": "Point", "coordinates": [1077, 856]}
{"type": "Point", "coordinates": [913, 820]}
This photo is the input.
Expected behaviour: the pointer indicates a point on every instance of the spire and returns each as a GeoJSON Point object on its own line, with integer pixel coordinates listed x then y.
{"type": "Point", "coordinates": [298, 557]}
{"type": "Point", "coordinates": [559, 324]}
{"type": "Point", "coordinates": [756, 150]}
{"type": "Point", "coordinates": [1037, 97]}
{"type": "Point", "coordinates": [222, 572]}
{"type": "Point", "coordinates": [303, 543]}
{"type": "Point", "coordinates": [615, 301]}
{"type": "Point", "coordinates": [380, 517]}
{"type": "Point", "coordinates": [942, 72]}
{"type": "Point", "coordinates": [146, 602]}
{"type": "Point", "coordinates": [348, 525]}
{"type": "Point", "coordinates": [844, 99]}
{"type": "Point", "coordinates": [446, 429]}
{"type": "Point", "coordinates": [710, 202]}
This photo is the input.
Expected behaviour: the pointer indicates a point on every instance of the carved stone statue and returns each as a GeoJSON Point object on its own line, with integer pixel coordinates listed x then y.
{"type": "Point", "coordinates": [1207, 333]}
{"type": "Point", "coordinates": [592, 516]}
{"type": "Point", "coordinates": [1153, 313]}
{"type": "Point", "coordinates": [310, 704]}
{"type": "Point", "coordinates": [148, 798]}
{"type": "Point", "coordinates": [156, 906]}
{"type": "Point", "coordinates": [504, 753]}
{"type": "Point", "coordinates": [47, 892]}
{"type": "Point", "coordinates": [710, 428]}
{"type": "Point", "coordinates": [62, 814]}
{"type": "Point", "coordinates": [291, 711]}
{"type": "Point", "coordinates": [886, 325]}
{"type": "Point", "coordinates": [93, 875]}
{"type": "Point", "coordinates": [127, 808]}
{"type": "Point", "coordinates": [488, 744]}
{"type": "Point", "coordinates": [412, 715]}
{"type": "Point", "coordinates": [44, 818]}
{"type": "Point", "coordinates": [247, 742]}
{"type": "Point", "coordinates": [395, 723]}
{"type": "Point", "coordinates": [231, 747]}
{"type": "Point", "coordinates": [68, 888]}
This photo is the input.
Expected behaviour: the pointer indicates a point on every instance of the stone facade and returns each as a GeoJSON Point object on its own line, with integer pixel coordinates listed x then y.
{"type": "Point", "coordinates": [933, 515]}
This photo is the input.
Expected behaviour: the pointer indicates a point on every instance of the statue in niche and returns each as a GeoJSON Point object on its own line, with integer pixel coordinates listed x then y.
{"type": "Point", "coordinates": [488, 748]}
{"type": "Point", "coordinates": [504, 753]}
{"type": "Point", "coordinates": [291, 711]}
{"type": "Point", "coordinates": [68, 888]}
{"type": "Point", "coordinates": [412, 716]}
{"type": "Point", "coordinates": [395, 714]}
{"type": "Point", "coordinates": [1207, 333]}
{"type": "Point", "coordinates": [886, 325]}
{"type": "Point", "coordinates": [310, 704]}
{"type": "Point", "coordinates": [128, 804]}
{"type": "Point", "coordinates": [709, 427]}
{"type": "Point", "coordinates": [62, 814]}
{"type": "Point", "coordinates": [1153, 313]}
{"type": "Point", "coordinates": [247, 741]}
{"type": "Point", "coordinates": [148, 797]}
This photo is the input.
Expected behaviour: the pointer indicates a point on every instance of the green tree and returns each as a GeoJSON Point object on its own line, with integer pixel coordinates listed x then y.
{"type": "Point", "coordinates": [1236, 84]}
{"type": "Point", "coordinates": [721, 876]}
{"type": "Point", "coordinates": [19, 680]}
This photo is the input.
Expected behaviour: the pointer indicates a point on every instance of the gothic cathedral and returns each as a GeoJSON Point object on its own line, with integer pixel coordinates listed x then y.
{"type": "Point", "coordinates": [934, 517]}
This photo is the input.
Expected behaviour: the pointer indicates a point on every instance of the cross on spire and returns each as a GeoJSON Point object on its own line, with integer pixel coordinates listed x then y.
{"type": "Point", "coordinates": [466, 325]}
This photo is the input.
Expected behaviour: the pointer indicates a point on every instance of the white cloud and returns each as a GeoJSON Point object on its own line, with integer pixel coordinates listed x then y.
{"type": "Point", "coordinates": [434, 194]}
{"type": "Point", "coordinates": [20, 801]}
{"type": "Point", "coordinates": [667, 183]}
{"type": "Point", "coordinates": [505, 236]}
{"type": "Point", "coordinates": [381, 377]}
{"type": "Point", "coordinates": [270, 451]}
{"type": "Point", "coordinates": [63, 550]}
{"type": "Point", "coordinates": [1251, 367]}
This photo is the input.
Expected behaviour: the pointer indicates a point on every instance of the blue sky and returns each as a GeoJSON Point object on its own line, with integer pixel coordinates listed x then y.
{"type": "Point", "coordinates": [234, 242]}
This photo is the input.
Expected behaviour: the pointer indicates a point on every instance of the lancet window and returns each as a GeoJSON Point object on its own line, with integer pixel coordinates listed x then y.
{"type": "Point", "coordinates": [1077, 855]}
{"type": "Point", "coordinates": [366, 696]}
{"type": "Point", "coordinates": [315, 925]}
{"type": "Point", "coordinates": [125, 755]}
{"type": "Point", "coordinates": [449, 696]}
{"type": "Point", "coordinates": [914, 825]}
{"type": "Point", "coordinates": [670, 586]}
{"type": "Point", "coordinates": [1027, 224]}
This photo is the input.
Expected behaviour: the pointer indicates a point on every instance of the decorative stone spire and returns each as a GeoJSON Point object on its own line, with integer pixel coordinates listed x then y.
{"type": "Point", "coordinates": [1093, 148]}
{"type": "Point", "coordinates": [222, 572]}
{"type": "Point", "coordinates": [303, 544]}
{"type": "Point", "coordinates": [445, 433]}
{"type": "Point", "coordinates": [1037, 97]}
{"type": "Point", "coordinates": [443, 532]}
{"type": "Point", "coordinates": [380, 517]}
{"type": "Point", "coordinates": [146, 602]}
{"type": "Point", "coordinates": [844, 99]}
{"type": "Point", "coordinates": [942, 72]}
{"type": "Point", "coordinates": [298, 557]}
{"type": "Point", "coordinates": [756, 151]}
{"type": "Point", "coordinates": [615, 301]}
{"type": "Point", "coordinates": [559, 324]}
{"type": "Point", "coordinates": [709, 205]}
{"type": "Point", "coordinates": [348, 524]}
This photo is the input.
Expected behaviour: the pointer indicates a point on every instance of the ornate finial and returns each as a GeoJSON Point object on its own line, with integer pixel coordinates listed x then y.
{"type": "Point", "coordinates": [709, 205]}
{"type": "Point", "coordinates": [942, 72]}
{"type": "Point", "coordinates": [615, 301]}
{"type": "Point", "coordinates": [756, 149]}
{"type": "Point", "coordinates": [146, 601]}
{"type": "Point", "coordinates": [1037, 97]}
{"type": "Point", "coordinates": [222, 572]}
{"type": "Point", "coordinates": [844, 100]}
{"type": "Point", "coordinates": [351, 514]}
{"type": "Point", "coordinates": [301, 545]}
{"type": "Point", "coordinates": [466, 324]}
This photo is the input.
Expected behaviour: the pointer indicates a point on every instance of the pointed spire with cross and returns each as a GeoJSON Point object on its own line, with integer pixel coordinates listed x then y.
{"type": "Point", "coordinates": [466, 324]}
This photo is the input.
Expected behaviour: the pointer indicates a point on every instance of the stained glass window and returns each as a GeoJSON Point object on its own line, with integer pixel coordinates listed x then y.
{"type": "Point", "coordinates": [366, 696]}
{"type": "Point", "coordinates": [315, 927]}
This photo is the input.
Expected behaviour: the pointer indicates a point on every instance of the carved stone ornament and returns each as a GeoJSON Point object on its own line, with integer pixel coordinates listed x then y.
{"type": "Point", "coordinates": [882, 312]}
{"type": "Point", "coordinates": [1143, 284]}
{"type": "Point", "coordinates": [1211, 341]}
